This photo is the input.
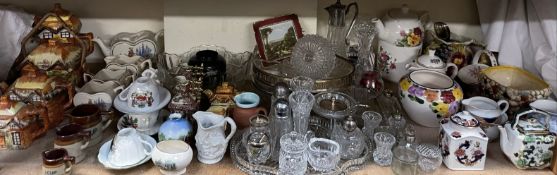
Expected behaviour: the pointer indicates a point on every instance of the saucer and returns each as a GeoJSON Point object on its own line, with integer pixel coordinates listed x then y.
{"type": "Point", "coordinates": [121, 125]}
{"type": "Point", "coordinates": [105, 148]}
{"type": "Point", "coordinates": [122, 106]}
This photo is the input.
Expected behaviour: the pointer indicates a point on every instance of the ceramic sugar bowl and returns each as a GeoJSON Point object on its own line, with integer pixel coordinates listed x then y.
{"type": "Point", "coordinates": [172, 156]}
{"type": "Point", "coordinates": [431, 62]}
{"type": "Point", "coordinates": [527, 142]}
{"type": "Point", "coordinates": [428, 96]}
{"type": "Point", "coordinates": [463, 142]}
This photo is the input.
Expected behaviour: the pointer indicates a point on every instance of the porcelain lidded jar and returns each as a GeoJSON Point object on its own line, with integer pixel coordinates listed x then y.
{"type": "Point", "coordinates": [463, 143]}
{"type": "Point", "coordinates": [176, 128]}
{"type": "Point", "coordinates": [428, 96]}
{"type": "Point", "coordinates": [400, 40]}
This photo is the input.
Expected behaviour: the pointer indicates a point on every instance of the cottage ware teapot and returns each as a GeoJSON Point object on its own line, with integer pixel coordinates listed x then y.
{"type": "Point", "coordinates": [527, 142]}
{"type": "Point", "coordinates": [400, 40]}
{"type": "Point", "coordinates": [211, 141]}
{"type": "Point", "coordinates": [463, 142]}
{"type": "Point", "coordinates": [434, 63]}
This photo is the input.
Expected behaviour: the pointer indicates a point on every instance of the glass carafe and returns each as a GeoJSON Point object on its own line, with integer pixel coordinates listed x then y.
{"type": "Point", "coordinates": [337, 32]}
{"type": "Point", "coordinates": [382, 155]}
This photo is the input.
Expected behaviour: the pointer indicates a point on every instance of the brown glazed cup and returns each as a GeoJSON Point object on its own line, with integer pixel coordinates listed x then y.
{"type": "Point", "coordinates": [57, 162]}
{"type": "Point", "coordinates": [242, 115]}
{"type": "Point", "coordinates": [73, 138]}
{"type": "Point", "coordinates": [86, 115]}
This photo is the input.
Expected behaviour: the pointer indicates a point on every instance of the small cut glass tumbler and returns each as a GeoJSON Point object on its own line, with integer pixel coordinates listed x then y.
{"type": "Point", "coordinates": [382, 155]}
{"type": "Point", "coordinates": [323, 154]}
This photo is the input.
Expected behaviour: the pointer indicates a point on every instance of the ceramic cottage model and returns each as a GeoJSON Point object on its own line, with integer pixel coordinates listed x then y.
{"type": "Point", "coordinates": [463, 143]}
{"type": "Point", "coordinates": [527, 142]}
{"type": "Point", "coordinates": [20, 124]}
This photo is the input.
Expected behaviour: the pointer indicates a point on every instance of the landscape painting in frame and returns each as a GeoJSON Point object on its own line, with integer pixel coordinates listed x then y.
{"type": "Point", "coordinates": [277, 36]}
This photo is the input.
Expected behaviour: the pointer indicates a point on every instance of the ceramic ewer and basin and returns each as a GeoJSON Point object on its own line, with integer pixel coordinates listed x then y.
{"type": "Point", "coordinates": [428, 96]}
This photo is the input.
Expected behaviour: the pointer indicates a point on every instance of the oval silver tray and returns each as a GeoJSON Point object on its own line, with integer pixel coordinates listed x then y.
{"type": "Point", "coordinates": [265, 77]}
{"type": "Point", "coordinates": [239, 157]}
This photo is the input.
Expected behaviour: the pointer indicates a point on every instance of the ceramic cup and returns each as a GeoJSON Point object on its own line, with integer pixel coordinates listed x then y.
{"type": "Point", "coordinates": [246, 107]}
{"type": "Point", "coordinates": [128, 148]}
{"type": "Point", "coordinates": [142, 94]}
{"type": "Point", "coordinates": [486, 108]}
{"type": "Point", "coordinates": [172, 156]}
{"type": "Point", "coordinates": [74, 139]}
{"type": "Point", "coordinates": [57, 162]}
{"type": "Point", "coordinates": [88, 116]}
{"type": "Point", "coordinates": [143, 121]}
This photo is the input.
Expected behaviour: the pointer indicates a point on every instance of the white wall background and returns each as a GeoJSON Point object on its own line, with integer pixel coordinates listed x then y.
{"type": "Point", "coordinates": [188, 23]}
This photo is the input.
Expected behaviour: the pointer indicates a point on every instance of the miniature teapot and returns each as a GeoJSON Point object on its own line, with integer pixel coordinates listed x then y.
{"type": "Point", "coordinates": [527, 142]}
{"type": "Point", "coordinates": [434, 63]}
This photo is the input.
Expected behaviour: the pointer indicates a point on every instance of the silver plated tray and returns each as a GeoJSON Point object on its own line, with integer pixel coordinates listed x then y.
{"type": "Point", "coordinates": [239, 157]}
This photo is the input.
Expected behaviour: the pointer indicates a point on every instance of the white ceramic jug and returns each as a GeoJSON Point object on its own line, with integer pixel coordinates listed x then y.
{"type": "Point", "coordinates": [210, 140]}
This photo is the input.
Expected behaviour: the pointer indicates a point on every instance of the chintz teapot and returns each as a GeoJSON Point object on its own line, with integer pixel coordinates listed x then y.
{"type": "Point", "coordinates": [434, 63]}
{"type": "Point", "coordinates": [400, 40]}
{"type": "Point", "coordinates": [527, 142]}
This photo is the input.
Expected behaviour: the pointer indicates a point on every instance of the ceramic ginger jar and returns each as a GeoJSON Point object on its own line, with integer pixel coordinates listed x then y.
{"type": "Point", "coordinates": [428, 96]}
{"type": "Point", "coordinates": [463, 143]}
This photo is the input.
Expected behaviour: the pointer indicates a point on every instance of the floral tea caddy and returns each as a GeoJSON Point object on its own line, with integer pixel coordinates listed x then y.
{"type": "Point", "coordinates": [527, 142]}
{"type": "Point", "coordinates": [463, 142]}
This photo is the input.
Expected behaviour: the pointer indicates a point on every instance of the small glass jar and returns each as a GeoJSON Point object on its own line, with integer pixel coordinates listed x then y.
{"type": "Point", "coordinates": [292, 149]}
{"type": "Point", "coordinates": [258, 146]}
{"type": "Point", "coordinates": [323, 154]}
{"type": "Point", "coordinates": [429, 158]}
{"type": "Point", "coordinates": [382, 155]}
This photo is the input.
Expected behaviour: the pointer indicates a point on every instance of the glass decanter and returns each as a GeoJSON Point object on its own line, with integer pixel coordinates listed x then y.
{"type": "Point", "coordinates": [382, 155]}
{"type": "Point", "coordinates": [405, 157]}
{"type": "Point", "coordinates": [281, 123]}
{"type": "Point", "coordinates": [372, 120]}
{"type": "Point", "coordinates": [301, 103]}
{"type": "Point", "coordinates": [258, 140]}
{"type": "Point", "coordinates": [350, 138]}
{"type": "Point", "coordinates": [336, 32]}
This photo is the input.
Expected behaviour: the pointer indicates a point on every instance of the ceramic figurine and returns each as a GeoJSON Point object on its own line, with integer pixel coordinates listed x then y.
{"type": "Point", "coordinates": [176, 128]}
{"type": "Point", "coordinates": [20, 124]}
{"type": "Point", "coordinates": [401, 34]}
{"type": "Point", "coordinates": [463, 142]}
{"type": "Point", "coordinates": [527, 142]}
{"type": "Point", "coordinates": [428, 96]}
{"type": "Point", "coordinates": [211, 141]}
{"type": "Point", "coordinates": [145, 44]}
{"type": "Point", "coordinates": [432, 62]}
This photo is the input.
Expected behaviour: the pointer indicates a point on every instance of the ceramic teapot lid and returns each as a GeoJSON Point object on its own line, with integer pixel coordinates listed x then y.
{"type": "Point", "coordinates": [465, 119]}
{"type": "Point", "coordinates": [430, 60]}
{"type": "Point", "coordinates": [402, 18]}
{"type": "Point", "coordinates": [531, 126]}
{"type": "Point", "coordinates": [403, 13]}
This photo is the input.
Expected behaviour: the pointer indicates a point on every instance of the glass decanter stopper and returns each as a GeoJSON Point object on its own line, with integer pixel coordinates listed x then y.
{"type": "Point", "coordinates": [350, 139]}
{"type": "Point", "coordinates": [405, 157]}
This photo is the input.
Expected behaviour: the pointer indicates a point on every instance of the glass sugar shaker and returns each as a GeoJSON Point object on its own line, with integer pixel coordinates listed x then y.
{"type": "Point", "coordinates": [350, 138]}
{"type": "Point", "coordinates": [281, 123]}
{"type": "Point", "coordinates": [405, 157]}
{"type": "Point", "coordinates": [258, 140]}
{"type": "Point", "coordinates": [398, 124]}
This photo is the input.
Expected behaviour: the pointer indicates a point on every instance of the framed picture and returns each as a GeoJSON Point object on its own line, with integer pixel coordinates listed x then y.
{"type": "Point", "coordinates": [275, 37]}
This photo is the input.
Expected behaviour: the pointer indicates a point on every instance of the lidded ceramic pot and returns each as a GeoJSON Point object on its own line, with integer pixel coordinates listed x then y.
{"type": "Point", "coordinates": [463, 143]}
{"type": "Point", "coordinates": [431, 62]}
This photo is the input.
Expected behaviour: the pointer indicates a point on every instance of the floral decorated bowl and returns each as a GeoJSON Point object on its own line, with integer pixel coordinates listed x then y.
{"type": "Point", "coordinates": [428, 96]}
{"type": "Point", "coordinates": [516, 85]}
